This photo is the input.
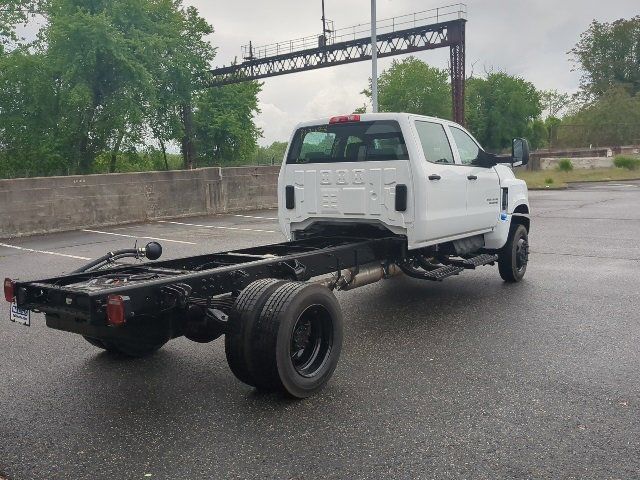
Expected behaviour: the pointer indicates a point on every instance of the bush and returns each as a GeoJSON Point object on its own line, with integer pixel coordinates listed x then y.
{"type": "Point", "coordinates": [548, 180]}
{"type": "Point", "coordinates": [629, 163]}
{"type": "Point", "coordinates": [565, 165]}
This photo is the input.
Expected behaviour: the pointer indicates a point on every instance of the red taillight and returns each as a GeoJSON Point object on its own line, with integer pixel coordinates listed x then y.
{"type": "Point", "coordinates": [9, 290]}
{"type": "Point", "coordinates": [345, 118]}
{"type": "Point", "coordinates": [117, 310]}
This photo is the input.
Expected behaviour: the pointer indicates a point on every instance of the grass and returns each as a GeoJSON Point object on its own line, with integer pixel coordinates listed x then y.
{"type": "Point", "coordinates": [630, 163]}
{"type": "Point", "coordinates": [540, 179]}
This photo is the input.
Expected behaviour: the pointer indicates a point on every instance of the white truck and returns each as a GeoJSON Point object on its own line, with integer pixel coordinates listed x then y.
{"type": "Point", "coordinates": [361, 198]}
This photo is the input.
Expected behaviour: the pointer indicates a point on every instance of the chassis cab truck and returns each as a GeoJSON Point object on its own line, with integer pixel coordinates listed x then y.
{"type": "Point", "coordinates": [361, 198]}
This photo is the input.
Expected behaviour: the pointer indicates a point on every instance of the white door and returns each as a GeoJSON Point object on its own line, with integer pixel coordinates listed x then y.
{"type": "Point", "coordinates": [445, 210]}
{"type": "Point", "coordinates": [482, 184]}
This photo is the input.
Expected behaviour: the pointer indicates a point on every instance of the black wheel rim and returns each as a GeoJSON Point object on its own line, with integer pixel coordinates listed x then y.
{"type": "Point", "coordinates": [311, 340]}
{"type": "Point", "coordinates": [522, 254]}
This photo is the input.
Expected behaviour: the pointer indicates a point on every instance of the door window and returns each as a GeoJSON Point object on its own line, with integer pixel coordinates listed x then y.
{"type": "Point", "coordinates": [467, 148]}
{"type": "Point", "coordinates": [435, 144]}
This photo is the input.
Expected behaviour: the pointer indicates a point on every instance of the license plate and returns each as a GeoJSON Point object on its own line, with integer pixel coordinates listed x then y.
{"type": "Point", "coordinates": [20, 315]}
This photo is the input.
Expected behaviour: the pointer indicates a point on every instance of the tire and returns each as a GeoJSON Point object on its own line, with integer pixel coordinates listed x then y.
{"type": "Point", "coordinates": [125, 348]}
{"type": "Point", "coordinates": [245, 312]}
{"type": "Point", "coordinates": [297, 339]}
{"type": "Point", "coordinates": [514, 256]}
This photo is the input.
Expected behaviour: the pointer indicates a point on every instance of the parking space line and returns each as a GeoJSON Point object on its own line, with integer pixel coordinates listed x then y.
{"type": "Point", "coordinates": [253, 216]}
{"type": "Point", "coordinates": [43, 251]}
{"type": "Point", "coordinates": [219, 227]}
{"type": "Point", "coordinates": [140, 236]}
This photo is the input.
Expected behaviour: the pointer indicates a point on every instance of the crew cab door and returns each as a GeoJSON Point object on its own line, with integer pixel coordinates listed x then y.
{"type": "Point", "coordinates": [445, 210]}
{"type": "Point", "coordinates": [482, 183]}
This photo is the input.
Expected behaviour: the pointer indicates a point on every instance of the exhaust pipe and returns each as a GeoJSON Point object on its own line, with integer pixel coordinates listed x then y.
{"type": "Point", "coordinates": [360, 276]}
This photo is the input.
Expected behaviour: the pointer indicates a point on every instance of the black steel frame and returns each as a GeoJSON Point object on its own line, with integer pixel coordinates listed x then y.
{"type": "Point", "coordinates": [427, 37]}
{"type": "Point", "coordinates": [205, 276]}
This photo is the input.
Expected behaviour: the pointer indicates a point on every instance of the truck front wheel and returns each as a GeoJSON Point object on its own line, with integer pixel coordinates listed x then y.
{"type": "Point", "coordinates": [514, 256]}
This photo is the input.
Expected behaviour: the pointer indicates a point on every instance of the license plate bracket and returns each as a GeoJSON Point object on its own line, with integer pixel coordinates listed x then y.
{"type": "Point", "coordinates": [20, 315]}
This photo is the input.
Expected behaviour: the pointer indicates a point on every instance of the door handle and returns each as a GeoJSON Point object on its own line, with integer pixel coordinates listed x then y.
{"type": "Point", "coordinates": [472, 177]}
{"type": "Point", "coordinates": [434, 177]}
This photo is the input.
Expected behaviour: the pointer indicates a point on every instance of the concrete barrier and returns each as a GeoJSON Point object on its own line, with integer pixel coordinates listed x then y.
{"type": "Point", "coordinates": [580, 163]}
{"type": "Point", "coordinates": [48, 204]}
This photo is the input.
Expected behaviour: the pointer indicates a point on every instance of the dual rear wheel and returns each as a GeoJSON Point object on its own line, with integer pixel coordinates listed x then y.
{"type": "Point", "coordinates": [285, 336]}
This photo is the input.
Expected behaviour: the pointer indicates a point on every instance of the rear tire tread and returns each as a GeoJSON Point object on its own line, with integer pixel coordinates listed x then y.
{"type": "Point", "coordinates": [247, 306]}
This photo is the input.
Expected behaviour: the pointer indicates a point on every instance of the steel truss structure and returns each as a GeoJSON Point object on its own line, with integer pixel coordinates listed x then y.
{"type": "Point", "coordinates": [426, 37]}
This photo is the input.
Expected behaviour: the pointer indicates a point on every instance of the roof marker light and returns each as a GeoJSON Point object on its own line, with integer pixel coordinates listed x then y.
{"type": "Point", "coordinates": [345, 118]}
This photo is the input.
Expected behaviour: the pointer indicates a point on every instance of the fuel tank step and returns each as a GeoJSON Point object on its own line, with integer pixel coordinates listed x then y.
{"type": "Point", "coordinates": [473, 262]}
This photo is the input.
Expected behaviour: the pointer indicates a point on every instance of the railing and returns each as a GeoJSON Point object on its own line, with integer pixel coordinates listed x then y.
{"type": "Point", "coordinates": [446, 13]}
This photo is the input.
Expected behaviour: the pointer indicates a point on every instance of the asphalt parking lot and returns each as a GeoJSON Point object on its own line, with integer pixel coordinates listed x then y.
{"type": "Point", "coordinates": [468, 378]}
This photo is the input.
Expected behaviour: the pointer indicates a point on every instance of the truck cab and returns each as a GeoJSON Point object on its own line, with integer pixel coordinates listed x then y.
{"type": "Point", "coordinates": [424, 178]}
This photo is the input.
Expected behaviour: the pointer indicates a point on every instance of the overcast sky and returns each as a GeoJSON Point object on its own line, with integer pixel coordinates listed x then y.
{"type": "Point", "coordinates": [529, 38]}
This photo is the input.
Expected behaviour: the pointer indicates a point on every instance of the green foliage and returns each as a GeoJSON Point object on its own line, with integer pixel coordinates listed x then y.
{"type": "Point", "coordinates": [612, 119]}
{"type": "Point", "coordinates": [555, 103]}
{"type": "Point", "coordinates": [548, 181]}
{"type": "Point", "coordinates": [630, 163]}
{"type": "Point", "coordinates": [273, 154]}
{"type": "Point", "coordinates": [607, 54]}
{"type": "Point", "coordinates": [133, 161]}
{"type": "Point", "coordinates": [501, 107]}
{"type": "Point", "coordinates": [565, 165]}
{"type": "Point", "coordinates": [12, 13]}
{"type": "Point", "coordinates": [412, 86]}
{"type": "Point", "coordinates": [106, 78]}
{"type": "Point", "coordinates": [224, 128]}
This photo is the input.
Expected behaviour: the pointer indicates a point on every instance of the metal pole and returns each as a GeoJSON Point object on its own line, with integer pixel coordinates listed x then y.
{"type": "Point", "coordinates": [374, 59]}
{"type": "Point", "coordinates": [324, 21]}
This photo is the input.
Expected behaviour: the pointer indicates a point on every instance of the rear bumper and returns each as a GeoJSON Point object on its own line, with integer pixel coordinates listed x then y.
{"type": "Point", "coordinates": [149, 330]}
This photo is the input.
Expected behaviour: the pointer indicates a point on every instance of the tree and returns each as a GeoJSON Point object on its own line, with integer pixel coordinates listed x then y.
{"type": "Point", "coordinates": [412, 86]}
{"type": "Point", "coordinates": [609, 55]}
{"type": "Point", "coordinates": [274, 153]}
{"type": "Point", "coordinates": [501, 107]}
{"type": "Point", "coordinates": [29, 143]}
{"type": "Point", "coordinates": [223, 123]}
{"type": "Point", "coordinates": [612, 119]}
{"type": "Point", "coordinates": [554, 103]}
{"type": "Point", "coordinates": [13, 12]}
{"type": "Point", "coordinates": [106, 77]}
{"type": "Point", "coordinates": [179, 59]}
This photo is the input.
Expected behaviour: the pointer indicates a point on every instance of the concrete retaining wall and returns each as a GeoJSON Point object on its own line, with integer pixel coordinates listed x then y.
{"type": "Point", "coordinates": [578, 163]}
{"type": "Point", "coordinates": [46, 204]}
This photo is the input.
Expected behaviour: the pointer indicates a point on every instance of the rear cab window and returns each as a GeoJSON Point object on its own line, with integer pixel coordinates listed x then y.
{"type": "Point", "coordinates": [379, 140]}
{"type": "Point", "coordinates": [434, 142]}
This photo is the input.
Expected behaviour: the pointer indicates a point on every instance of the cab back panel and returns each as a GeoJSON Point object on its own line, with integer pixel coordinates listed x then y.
{"type": "Point", "coordinates": [349, 190]}
{"type": "Point", "coordinates": [348, 170]}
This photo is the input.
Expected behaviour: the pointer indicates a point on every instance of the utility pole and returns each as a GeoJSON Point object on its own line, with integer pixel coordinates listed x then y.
{"type": "Point", "coordinates": [374, 59]}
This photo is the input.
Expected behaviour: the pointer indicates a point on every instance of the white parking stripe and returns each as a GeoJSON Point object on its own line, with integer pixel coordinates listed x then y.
{"type": "Point", "coordinates": [43, 251]}
{"type": "Point", "coordinates": [138, 236]}
{"type": "Point", "coordinates": [219, 227]}
{"type": "Point", "coordinates": [253, 216]}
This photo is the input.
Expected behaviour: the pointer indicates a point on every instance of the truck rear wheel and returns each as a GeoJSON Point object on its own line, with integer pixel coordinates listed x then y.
{"type": "Point", "coordinates": [246, 310]}
{"type": "Point", "coordinates": [297, 339]}
{"type": "Point", "coordinates": [514, 256]}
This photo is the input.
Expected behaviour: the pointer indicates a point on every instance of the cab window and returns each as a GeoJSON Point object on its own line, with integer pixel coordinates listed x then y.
{"type": "Point", "coordinates": [380, 140]}
{"type": "Point", "coordinates": [467, 148]}
{"type": "Point", "coordinates": [435, 144]}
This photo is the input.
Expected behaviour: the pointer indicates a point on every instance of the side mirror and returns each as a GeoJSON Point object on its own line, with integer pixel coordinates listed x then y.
{"type": "Point", "coordinates": [519, 152]}
{"type": "Point", "coordinates": [486, 160]}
